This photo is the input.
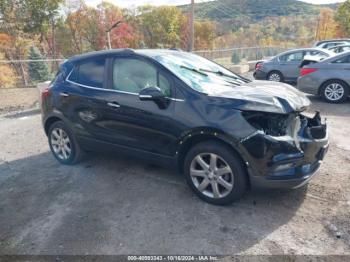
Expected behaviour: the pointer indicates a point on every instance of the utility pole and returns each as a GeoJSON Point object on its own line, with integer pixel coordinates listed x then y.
{"type": "Point", "coordinates": [109, 40]}
{"type": "Point", "coordinates": [191, 20]}
{"type": "Point", "coordinates": [317, 27]}
{"type": "Point", "coordinates": [109, 33]}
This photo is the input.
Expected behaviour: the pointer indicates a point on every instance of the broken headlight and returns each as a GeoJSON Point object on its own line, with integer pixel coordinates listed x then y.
{"type": "Point", "coordinates": [270, 123]}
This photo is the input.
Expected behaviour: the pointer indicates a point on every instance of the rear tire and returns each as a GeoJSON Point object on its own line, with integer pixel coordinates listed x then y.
{"type": "Point", "coordinates": [275, 76]}
{"type": "Point", "coordinates": [221, 178]}
{"type": "Point", "coordinates": [63, 144]}
{"type": "Point", "coordinates": [334, 91]}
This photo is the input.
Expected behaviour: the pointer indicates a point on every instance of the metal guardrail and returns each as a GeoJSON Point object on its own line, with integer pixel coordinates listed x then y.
{"type": "Point", "coordinates": [238, 54]}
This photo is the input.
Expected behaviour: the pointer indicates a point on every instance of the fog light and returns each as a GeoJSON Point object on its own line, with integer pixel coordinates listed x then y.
{"type": "Point", "coordinates": [284, 167]}
{"type": "Point", "coordinates": [306, 168]}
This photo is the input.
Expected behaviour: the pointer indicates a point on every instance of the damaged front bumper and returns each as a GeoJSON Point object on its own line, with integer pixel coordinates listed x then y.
{"type": "Point", "coordinates": [287, 161]}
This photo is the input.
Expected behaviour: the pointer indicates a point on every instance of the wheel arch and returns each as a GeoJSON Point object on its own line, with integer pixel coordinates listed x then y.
{"type": "Point", "coordinates": [195, 138]}
{"type": "Point", "coordinates": [49, 121]}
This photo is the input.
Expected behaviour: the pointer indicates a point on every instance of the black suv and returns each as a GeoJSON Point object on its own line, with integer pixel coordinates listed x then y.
{"type": "Point", "coordinates": [224, 132]}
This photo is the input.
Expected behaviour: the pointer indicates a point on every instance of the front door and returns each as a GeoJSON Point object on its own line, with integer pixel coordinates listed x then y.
{"type": "Point", "coordinates": [130, 122]}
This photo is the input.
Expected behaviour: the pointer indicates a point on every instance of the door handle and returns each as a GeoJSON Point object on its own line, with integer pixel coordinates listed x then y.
{"type": "Point", "coordinates": [113, 104]}
{"type": "Point", "coordinates": [64, 94]}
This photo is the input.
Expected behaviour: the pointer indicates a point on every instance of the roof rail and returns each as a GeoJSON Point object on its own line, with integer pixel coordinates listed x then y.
{"type": "Point", "coordinates": [175, 49]}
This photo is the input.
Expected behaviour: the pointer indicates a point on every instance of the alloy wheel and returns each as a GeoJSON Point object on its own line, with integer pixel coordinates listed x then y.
{"type": "Point", "coordinates": [275, 77]}
{"type": "Point", "coordinates": [61, 143]}
{"type": "Point", "coordinates": [211, 175]}
{"type": "Point", "coordinates": [334, 92]}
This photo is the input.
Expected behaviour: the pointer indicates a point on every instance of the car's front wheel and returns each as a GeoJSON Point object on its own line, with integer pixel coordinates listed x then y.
{"type": "Point", "coordinates": [334, 91]}
{"type": "Point", "coordinates": [63, 144]}
{"type": "Point", "coordinates": [215, 173]}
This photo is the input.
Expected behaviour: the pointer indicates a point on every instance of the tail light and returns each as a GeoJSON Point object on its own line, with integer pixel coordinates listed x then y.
{"type": "Point", "coordinates": [45, 93]}
{"type": "Point", "coordinates": [306, 71]}
{"type": "Point", "coordinates": [258, 66]}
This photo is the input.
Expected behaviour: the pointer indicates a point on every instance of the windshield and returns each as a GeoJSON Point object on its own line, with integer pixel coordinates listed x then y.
{"type": "Point", "coordinates": [200, 73]}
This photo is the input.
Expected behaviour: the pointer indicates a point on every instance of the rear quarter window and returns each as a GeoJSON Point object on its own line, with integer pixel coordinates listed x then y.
{"type": "Point", "coordinates": [90, 73]}
{"type": "Point", "coordinates": [343, 60]}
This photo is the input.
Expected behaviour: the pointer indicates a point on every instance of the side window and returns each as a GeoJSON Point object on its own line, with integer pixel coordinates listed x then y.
{"type": "Point", "coordinates": [293, 57]}
{"type": "Point", "coordinates": [132, 75]}
{"type": "Point", "coordinates": [316, 53]}
{"type": "Point", "coordinates": [312, 53]}
{"type": "Point", "coordinates": [89, 73]}
{"type": "Point", "coordinates": [92, 73]}
{"type": "Point", "coordinates": [164, 85]}
{"type": "Point", "coordinates": [343, 60]}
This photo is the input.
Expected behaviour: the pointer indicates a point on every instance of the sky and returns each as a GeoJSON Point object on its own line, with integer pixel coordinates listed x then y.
{"type": "Point", "coordinates": [128, 3]}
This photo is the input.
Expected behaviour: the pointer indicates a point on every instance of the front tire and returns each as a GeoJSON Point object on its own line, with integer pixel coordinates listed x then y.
{"type": "Point", "coordinates": [334, 91]}
{"type": "Point", "coordinates": [63, 144]}
{"type": "Point", "coordinates": [215, 173]}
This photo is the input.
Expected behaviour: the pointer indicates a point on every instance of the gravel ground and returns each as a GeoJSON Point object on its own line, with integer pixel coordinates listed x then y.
{"type": "Point", "coordinates": [109, 204]}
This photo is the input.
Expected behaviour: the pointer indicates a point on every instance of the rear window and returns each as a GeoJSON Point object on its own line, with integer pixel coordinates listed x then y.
{"type": "Point", "coordinates": [316, 53]}
{"type": "Point", "coordinates": [90, 73]}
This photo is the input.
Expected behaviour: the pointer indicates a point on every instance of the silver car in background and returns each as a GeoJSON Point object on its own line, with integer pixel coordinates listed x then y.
{"type": "Point", "coordinates": [329, 78]}
{"type": "Point", "coordinates": [285, 67]}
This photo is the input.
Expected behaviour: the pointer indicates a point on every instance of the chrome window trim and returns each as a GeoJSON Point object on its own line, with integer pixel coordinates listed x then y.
{"type": "Point", "coordinates": [112, 90]}
{"type": "Point", "coordinates": [145, 96]}
{"type": "Point", "coordinates": [175, 99]}
{"type": "Point", "coordinates": [96, 88]}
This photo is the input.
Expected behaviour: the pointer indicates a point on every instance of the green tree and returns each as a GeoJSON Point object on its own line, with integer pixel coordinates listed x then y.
{"type": "Point", "coordinates": [343, 17]}
{"type": "Point", "coordinates": [161, 25]}
{"type": "Point", "coordinates": [204, 34]}
{"type": "Point", "coordinates": [38, 71]}
{"type": "Point", "coordinates": [235, 59]}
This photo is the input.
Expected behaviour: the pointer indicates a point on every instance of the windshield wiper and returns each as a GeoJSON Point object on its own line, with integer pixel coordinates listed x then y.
{"type": "Point", "coordinates": [193, 70]}
{"type": "Point", "coordinates": [220, 73]}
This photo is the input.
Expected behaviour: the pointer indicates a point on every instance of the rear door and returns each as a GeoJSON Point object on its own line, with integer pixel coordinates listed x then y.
{"type": "Point", "coordinates": [289, 65]}
{"type": "Point", "coordinates": [83, 97]}
{"type": "Point", "coordinates": [340, 69]}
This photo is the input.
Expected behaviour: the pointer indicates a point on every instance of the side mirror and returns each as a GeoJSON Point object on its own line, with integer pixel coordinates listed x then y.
{"type": "Point", "coordinates": [151, 93]}
{"type": "Point", "coordinates": [154, 94]}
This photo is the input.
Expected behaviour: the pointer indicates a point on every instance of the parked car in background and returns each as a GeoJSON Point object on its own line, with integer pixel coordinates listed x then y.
{"type": "Point", "coordinates": [326, 44]}
{"type": "Point", "coordinates": [340, 48]}
{"type": "Point", "coordinates": [224, 132]}
{"type": "Point", "coordinates": [329, 78]}
{"type": "Point", "coordinates": [285, 67]}
{"type": "Point", "coordinates": [308, 59]}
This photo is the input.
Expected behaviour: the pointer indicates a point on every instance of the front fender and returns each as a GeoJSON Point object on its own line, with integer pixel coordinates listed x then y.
{"type": "Point", "coordinates": [201, 134]}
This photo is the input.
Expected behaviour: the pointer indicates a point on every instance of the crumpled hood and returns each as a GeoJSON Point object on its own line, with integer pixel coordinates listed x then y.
{"type": "Point", "coordinates": [266, 96]}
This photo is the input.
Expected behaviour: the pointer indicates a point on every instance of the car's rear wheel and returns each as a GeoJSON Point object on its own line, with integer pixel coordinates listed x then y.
{"type": "Point", "coordinates": [215, 173]}
{"type": "Point", "coordinates": [334, 91]}
{"type": "Point", "coordinates": [63, 144]}
{"type": "Point", "coordinates": [275, 76]}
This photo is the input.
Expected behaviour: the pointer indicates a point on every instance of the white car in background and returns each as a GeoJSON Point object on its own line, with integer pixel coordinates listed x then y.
{"type": "Point", "coordinates": [326, 44]}
{"type": "Point", "coordinates": [340, 48]}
